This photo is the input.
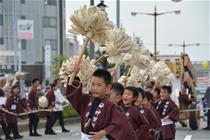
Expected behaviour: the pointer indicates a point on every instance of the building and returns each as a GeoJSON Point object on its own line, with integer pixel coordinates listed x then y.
{"type": "Point", "coordinates": [72, 46]}
{"type": "Point", "coordinates": [48, 17]}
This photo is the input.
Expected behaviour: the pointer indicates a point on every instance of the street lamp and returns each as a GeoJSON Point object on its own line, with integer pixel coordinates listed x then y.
{"type": "Point", "coordinates": [102, 6]}
{"type": "Point", "coordinates": [184, 45]}
{"type": "Point", "coordinates": [155, 14]}
{"type": "Point", "coordinates": [176, 0]}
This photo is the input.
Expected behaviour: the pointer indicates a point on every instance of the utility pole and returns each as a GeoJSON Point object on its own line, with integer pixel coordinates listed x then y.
{"type": "Point", "coordinates": [183, 45]}
{"type": "Point", "coordinates": [118, 25]}
{"type": "Point", "coordinates": [155, 14]}
{"type": "Point", "coordinates": [92, 45]}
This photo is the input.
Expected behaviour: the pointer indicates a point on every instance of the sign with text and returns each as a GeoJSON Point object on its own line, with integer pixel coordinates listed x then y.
{"type": "Point", "coordinates": [25, 29]}
{"type": "Point", "coordinates": [47, 60]}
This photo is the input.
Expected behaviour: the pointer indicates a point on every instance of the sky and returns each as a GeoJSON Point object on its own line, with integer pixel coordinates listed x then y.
{"type": "Point", "coordinates": [192, 25]}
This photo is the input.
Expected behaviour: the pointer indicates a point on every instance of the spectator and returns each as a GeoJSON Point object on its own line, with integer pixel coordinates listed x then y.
{"type": "Point", "coordinates": [207, 98]}
{"type": "Point", "coordinates": [58, 108]}
{"type": "Point", "coordinates": [8, 86]}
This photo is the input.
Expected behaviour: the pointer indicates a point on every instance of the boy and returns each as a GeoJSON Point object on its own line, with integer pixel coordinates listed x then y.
{"type": "Point", "coordinates": [33, 104]}
{"type": "Point", "coordinates": [116, 93]}
{"type": "Point", "coordinates": [137, 120]}
{"type": "Point", "coordinates": [153, 117]}
{"type": "Point", "coordinates": [13, 104]}
{"type": "Point", "coordinates": [156, 94]}
{"type": "Point", "coordinates": [59, 100]}
{"type": "Point", "coordinates": [2, 116]}
{"type": "Point", "coordinates": [50, 115]}
{"type": "Point", "coordinates": [100, 118]}
{"type": "Point", "coordinates": [169, 113]}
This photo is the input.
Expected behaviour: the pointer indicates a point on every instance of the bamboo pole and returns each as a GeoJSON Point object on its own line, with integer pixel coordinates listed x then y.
{"type": "Point", "coordinates": [102, 56]}
{"type": "Point", "coordinates": [127, 75]}
{"type": "Point", "coordinates": [79, 60]}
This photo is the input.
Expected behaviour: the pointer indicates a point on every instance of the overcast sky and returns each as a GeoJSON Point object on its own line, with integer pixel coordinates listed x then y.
{"type": "Point", "coordinates": [192, 25]}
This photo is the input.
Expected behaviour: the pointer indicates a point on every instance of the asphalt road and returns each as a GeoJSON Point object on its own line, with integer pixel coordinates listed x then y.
{"type": "Point", "coordinates": [182, 133]}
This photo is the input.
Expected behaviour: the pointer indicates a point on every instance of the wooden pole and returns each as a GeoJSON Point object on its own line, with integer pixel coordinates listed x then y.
{"type": "Point", "coordinates": [79, 60]}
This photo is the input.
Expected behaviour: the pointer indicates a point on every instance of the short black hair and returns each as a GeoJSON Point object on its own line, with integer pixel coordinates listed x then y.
{"type": "Point", "coordinates": [141, 91]}
{"type": "Point", "coordinates": [148, 95]}
{"type": "Point", "coordinates": [1, 93]}
{"type": "Point", "coordinates": [134, 90]}
{"type": "Point", "coordinates": [14, 87]}
{"type": "Point", "coordinates": [104, 74]}
{"type": "Point", "coordinates": [168, 88]}
{"type": "Point", "coordinates": [157, 90]}
{"type": "Point", "coordinates": [52, 85]}
{"type": "Point", "coordinates": [35, 80]}
{"type": "Point", "coordinates": [56, 81]}
{"type": "Point", "coordinates": [118, 88]}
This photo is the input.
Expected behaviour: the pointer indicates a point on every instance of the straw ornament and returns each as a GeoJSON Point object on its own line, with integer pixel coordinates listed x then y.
{"type": "Point", "coordinates": [136, 57]}
{"type": "Point", "coordinates": [86, 66]}
{"type": "Point", "coordinates": [117, 44]}
{"type": "Point", "coordinates": [162, 74]}
{"type": "Point", "coordinates": [129, 81]}
{"type": "Point", "coordinates": [92, 23]}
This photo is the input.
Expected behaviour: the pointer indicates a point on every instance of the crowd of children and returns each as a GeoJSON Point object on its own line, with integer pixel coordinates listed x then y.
{"type": "Point", "coordinates": [110, 111]}
{"type": "Point", "coordinates": [114, 112]}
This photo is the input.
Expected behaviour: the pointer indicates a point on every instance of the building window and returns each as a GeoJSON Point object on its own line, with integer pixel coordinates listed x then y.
{"type": "Point", "coordinates": [22, 17]}
{"type": "Point", "coordinates": [1, 19]}
{"type": "Point", "coordinates": [23, 44]}
{"type": "Point", "coordinates": [22, 1]}
{"type": "Point", "coordinates": [50, 2]}
{"type": "Point", "coordinates": [52, 43]}
{"type": "Point", "coordinates": [1, 41]}
{"type": "Point", "coordinates": [49, 21]}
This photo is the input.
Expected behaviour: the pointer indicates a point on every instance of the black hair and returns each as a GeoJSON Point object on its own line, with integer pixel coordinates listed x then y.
{"type": "Point", "coordinates": [168, 88]}
{"type": "Point", "coordinates": [14, 87]}
{"type": "Point", "coordinates": [1, 93]}
{"type": "Point", "coordinates": [104, 74]}
{"type": "Point", "coordinates": [35, 80]}
{"type": "Point", "coordinates": [148, 96]}
{"type": "Point", "coordinates": [52, 86]}
{"type": "Point", "coordinates": [157, 90]}
{"type": "Point", "coordinates": [118, 88]}
{"type": "Point", "coordinates": [56, 81]}
{"type": "Point", "coordinates": [141, 92]}
{"type": "Point", "coordinates": [133, 90]}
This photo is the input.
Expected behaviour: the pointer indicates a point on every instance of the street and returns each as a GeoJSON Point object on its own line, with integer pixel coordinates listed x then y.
{"type": "Point", "coordinates": [182, 134]}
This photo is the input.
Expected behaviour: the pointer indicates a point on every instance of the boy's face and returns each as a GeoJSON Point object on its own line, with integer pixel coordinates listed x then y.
{"type": "Point", "coordinates": [98, 87]}
{"type": "Point", "coordinates": [128, 98]}
{"type": "Point", "coordinates": [3, 82]}
{"type": "Point", "coordinates": [59, 84]}
{"type": "Point", "coordinates": [36, 84]}
{"type": "Point", "coordinates": [114, 97]}
{"type": "Point", "coordinates": [154, 94]}
{"type": "Point", "coordinates": [16, 91]}
{"type": "Point", "coordinates": [164, 94]}
{"type": "Point", "coordinates": [139, 101]}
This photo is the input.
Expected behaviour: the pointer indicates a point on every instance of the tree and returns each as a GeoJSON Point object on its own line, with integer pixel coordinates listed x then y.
{"type": "Point", "coordinates": [56, 64]}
